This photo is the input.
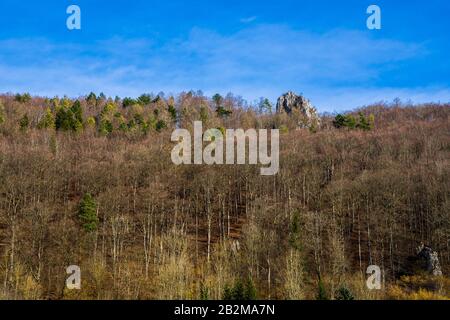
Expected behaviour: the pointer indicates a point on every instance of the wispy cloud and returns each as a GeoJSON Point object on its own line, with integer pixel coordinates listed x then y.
{"type": "Point", "coordinates": [260, 60]}
{"type": "Point", "coordinates": [248, 19]}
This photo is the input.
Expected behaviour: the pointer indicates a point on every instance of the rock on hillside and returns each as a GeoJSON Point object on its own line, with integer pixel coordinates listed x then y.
{"type": "Point", "coordinates": [432, 260]}
{"type": "Point", "coordinates": [290, 101]}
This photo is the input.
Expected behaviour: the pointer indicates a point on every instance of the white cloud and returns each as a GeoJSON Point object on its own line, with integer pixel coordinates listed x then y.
{"type": "Point", "coordinates": [336, 69]}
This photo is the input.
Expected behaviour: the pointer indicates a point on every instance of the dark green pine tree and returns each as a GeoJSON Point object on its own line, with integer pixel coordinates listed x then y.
{"type": "Point", "coordinates": [23, 98]}
{"type": "Point", "coordinates": [222, 112]}
{"type": "Point", "coordinates": [24, 122]}
{"type": "Point", "coordinates": [144, 99]}
{"type": "Point", "coordinates": [343, 293]}
{"type": "Point", "coordinates": [160, 125]}
{"type": "Point", "coordinates": [69, 119]}
{"type": "Point", "coordinates": [91, 99]}
{"type": "Point", "coordinates": [363, 122]}
{"type": "Point", "coordinates": [128, 102]}
{"type": "Point", "coordinates": [250, 290]}
{"type": "Point", "coordinates": [227, 293]}
{"type": "Point", "coordinates": [321, 294]}
{"type": "Point", "coordinates": [204, 291]}
{"type": "Point", "coordinates": [238, 290]}
{"type": "Point", "coordinates": [344, 121]}
{"type": "Point", "coordinates": [87, 213]}
{"type": "Point", "coordinates": [217, 98]}
{"type": "Point", "coordinates": [61, 122]}
{"type": "Point", "coordinates": [172, 112]}
{"type": "Point", "coordinates": [105, 127]}
{"type": "Point", "coordinates": [350, 121]}
{"type": "Point", "coordinates": [77, 111]}
{"type": "Point", "coordinates": [339, 121]}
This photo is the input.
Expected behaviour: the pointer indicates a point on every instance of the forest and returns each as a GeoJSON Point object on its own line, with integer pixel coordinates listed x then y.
{"type": "Point", "coordinates": [89, 181]}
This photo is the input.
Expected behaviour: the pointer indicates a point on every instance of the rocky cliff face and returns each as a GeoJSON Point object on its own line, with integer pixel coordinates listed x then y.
{"type": "Point", "coordinates": [290, 101]}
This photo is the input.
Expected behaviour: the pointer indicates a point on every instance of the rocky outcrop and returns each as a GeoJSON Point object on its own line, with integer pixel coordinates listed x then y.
{"type": "Point", "coordinates": [291, 102]}
{"type": "Point", "coordinates": [432, 260]}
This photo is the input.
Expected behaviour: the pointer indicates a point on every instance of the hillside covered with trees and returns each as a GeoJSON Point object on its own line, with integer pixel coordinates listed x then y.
{"type": "Point", "coordinates": [90, 182]}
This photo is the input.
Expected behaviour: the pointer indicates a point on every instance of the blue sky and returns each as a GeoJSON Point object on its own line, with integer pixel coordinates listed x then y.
{"type": "Point", "coordinates": [251, 48]}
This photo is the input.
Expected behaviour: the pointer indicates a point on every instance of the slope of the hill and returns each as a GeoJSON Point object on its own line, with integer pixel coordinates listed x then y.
{"type": "Point", "coordinates": [92, 184]}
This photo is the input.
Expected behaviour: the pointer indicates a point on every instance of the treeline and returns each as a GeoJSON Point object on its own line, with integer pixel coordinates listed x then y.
{"type": "Point", "coordinates": [89, 182]}
{"type": "Point", "coordinates": [149, 112]}
{"type": "Point", "coordinates": [106, 115]}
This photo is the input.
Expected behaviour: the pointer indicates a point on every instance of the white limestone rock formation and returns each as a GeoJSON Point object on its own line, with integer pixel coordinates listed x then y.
{"type": "Point", "coordinates": [289, 102]}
